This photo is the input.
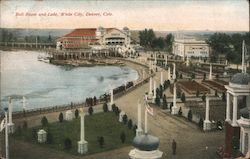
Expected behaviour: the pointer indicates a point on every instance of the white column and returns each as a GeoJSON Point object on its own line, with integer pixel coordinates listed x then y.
{"type": "Point", "coordinates": [154, 89]}
{"type": "Point", "coordinates": [146, 121]}
{"type": "Point", "coordinates": [174, 108]}
{"type": "Point", "coordinates": [235, 107]}
{"type": "Point", "coordinates": [143, 74]}
{"type": "Point", "coordinates": [10, 123]}
{"type": "Point", "coordinates": [150, 87]}
{"type": "Point", "coordinates": [210, 73]}
{"type": "Point", "coordinates": [243, 57]}
{"type": "Point", "coordinates": [207, 109]}
{"type": "Point", "coordinates": [174, 74]}
{"type": "Point", "coordinates": [82, 144]}
{"type": "Point", "coordinates": [228, 108]}
{"type": "Point", "coordinates": [155, 59]}
{"type": "Point", "coordinates": [162, 78]}
{"type": "Point", "coordinates": [166, 61]}
{"type": "Point", "coordinates": [6, 136]}
{"type": "Point", "coordinates": [187, 62]}
{"type": "Point", "coordinates": [139, 128]}
{"type": "Point", "coordinates": [169, 74]}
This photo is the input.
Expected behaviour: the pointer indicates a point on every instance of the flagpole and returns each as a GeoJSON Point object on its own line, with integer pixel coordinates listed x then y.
{"type": "Point", "coordinates": [6, 135]}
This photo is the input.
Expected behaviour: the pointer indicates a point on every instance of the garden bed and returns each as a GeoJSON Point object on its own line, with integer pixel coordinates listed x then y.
{"type": "Point", "coordinates": [192, 87]}
{"type": "Point", "coordinates": [214, 85]}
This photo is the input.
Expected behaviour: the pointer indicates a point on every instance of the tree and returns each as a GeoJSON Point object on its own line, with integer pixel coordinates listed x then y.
{"type": "Point", "coordinates": [216, 93]}
{"type": "Point", "coordinates": [180, 112]}
{"type": "Point", "coordinates": [203, 97]}
{"type": "Point", "coordinates": [76, 113]}
{"type": "Point", "coordinates": [49, 39]}
{"type": "Point", "coordinates": [190, 115]}
{"type": "Point", "coordinates": [193, 76]}
{"type": "Point", "coordinates": [113, 107]}
{"type": "Point", "coordinates": [60, 117]}
{"type": "Point", "coordinates": [197, 93]}
{"type": "Point", "coordinates": [134, 128]}
{"type": "Point", "coordinates": [223, 96]}
{"type": "Point", "coordinates": [90, 110]}
{"type": "Point", "coordinates": [34, 134]}
{"type": "Point", "coordinates": [44, 121]}
{"type": "Point", "coordinates": [123, 137]}
{"type": "Point", "coordinates": [146, 38]}
{"type": "Point", "coordinates": [157, 101]}
{"type": "Point", "coordinates": [67, 144]}
{"type": "Point", "coordinates": [125, 119]}
{"type": "Point", "coordinates": [183, 97]}
{"type": "Point", "coordinates": [169, 42]}
{"type": "Point", "coordinates": [100, 140]}
{"type": "Point", "coordinates": [130, 124]}
{"type": "Point", "coordinates": [105, 107]}
{"type": "Point", "coordinates": [204, 76]}
{"type": "Point", "coordinates": [164, 102]}
{"type": "Point", "coordinates": [201, 123]}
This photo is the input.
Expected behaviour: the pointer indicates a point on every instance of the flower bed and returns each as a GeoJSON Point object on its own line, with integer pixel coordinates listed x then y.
{"type": "Point", "coordinates": [214, 85]}
{"type": "Point", "coordinates": [192, 87]}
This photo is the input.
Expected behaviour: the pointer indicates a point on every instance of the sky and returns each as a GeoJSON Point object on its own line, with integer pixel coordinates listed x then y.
{"type": "Point", "coordinates": [167, 15]}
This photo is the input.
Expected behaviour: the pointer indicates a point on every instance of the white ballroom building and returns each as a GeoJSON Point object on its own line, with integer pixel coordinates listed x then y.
{"type": "Point", "coordinates": [187, 47]}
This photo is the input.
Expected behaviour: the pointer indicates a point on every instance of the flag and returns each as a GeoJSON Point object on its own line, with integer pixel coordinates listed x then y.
{"type": "Point", "coordinates": [150, 110]}
{"type": "Point", "coordinates": [2, 125]}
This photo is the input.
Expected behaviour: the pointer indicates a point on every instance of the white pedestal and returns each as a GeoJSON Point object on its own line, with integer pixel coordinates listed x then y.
{"type": "Point", "coordinates": [138, 154]}
{"type": "Point", "coordinates": [174, 110]}
{"type": "Point", "coordinates": [139, 131]}
{"type": "Point", "coordinates": [82, 147]}
{"type": "Point", "coordinates": [11, 128]}
{"type": "Point", "coordinates": [207, 125]}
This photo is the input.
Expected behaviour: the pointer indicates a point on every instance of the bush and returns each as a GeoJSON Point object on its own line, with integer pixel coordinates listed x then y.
{"type": "Point", "coordinates": [123, 137]}
{"type": "Point", "coordinates": [44, 121]}
{"type": "Point", "coordinates": [113, 107]}
{"type": "Point", "coordinates": [157, 101]}
{"type": "Point", "coordinates": [76, 113]}
{"type": "Point", "coordinates": [201, 123]}
{"type": "Point", "coordinates": [203, 97]}
{"type": "Point", "coordinates": [100, 140]}
{"type": "Point", "coordinates": [130, 124]}
{"type": "Point", "coordinates": [223, 96]}
{"type": "Point", "coordinates": [60, 117]}
{"type": "Point", "coordinates": [105, 107]}
{"type": "Point", "coordinates": [34, 134]}
{"type": "Point", "coordinates": [204, 76]}
{"type": "Point", "coordinates": [134, 129]}
{"type": "Point", "coordinates": [125, 119]}
{"type": "Point", "coordinates": [180, 112]}
{"type": "Point", "coordinates": [25, 125]}
{"type": "Point", "coordinates": [164, 103]}
{"type": "Point", "coordinates": [90, 110]}
{"type": "Point", "coordinates": [67, 144]}
{"type": "Point", "coordinates": [183, 97]}
{"type": "Point", "coordinates": [197, 93]}
{"type": "Point", "coordinates": [216, 93]}
{"type": "Point", "coordinates": [190, 115]}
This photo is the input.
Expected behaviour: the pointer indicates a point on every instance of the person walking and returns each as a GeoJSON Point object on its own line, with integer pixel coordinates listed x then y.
{"type": "Point", "coordinates": [174, 145]}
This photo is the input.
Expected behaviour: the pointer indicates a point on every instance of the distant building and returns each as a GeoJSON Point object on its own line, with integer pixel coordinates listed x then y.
{"type": "Point", "coordinates": [190, 48]}
{"type": "Point", "coordinates": [86, 38]}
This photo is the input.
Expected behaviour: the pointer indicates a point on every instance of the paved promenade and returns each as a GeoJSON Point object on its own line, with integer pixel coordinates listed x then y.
{"type": "Point", "coordinates": [191, 142]}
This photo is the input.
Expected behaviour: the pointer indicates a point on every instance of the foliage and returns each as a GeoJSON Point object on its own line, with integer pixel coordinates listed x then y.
{"type": "Point", "coordinates": [134, 129]}
{"type": "Point", "coordinates": [125, 119]}
{"type": "Point", "coordinates": [113, 107]}
{"type": "Point", "coordinates": [203, 97]}
{"type": "Point", "coordinates": [183, 97]}
{"type": "Point", "coordinates": [216, 93]}
{"type": "Point", "coordinates": [34, 134]}
{"type": "Point", "coordinates": [180, 112]}
{"type": "Point", "coordinates": [190, 115]}
{"type": "Point", "coordinates": [192, 76]}
{"type": "Point", "coordinates": [130, 123]}
{"type": "Point", "coordinates": [76, 113]}
{"type": "Point", "coordinates": [123, 137]}
{"type": "Point", "coordinates": [201, 123]}
{"type": "Point", "coordinates": [223, 96]}
{"type": "Point", "coordinates": [90, 110]}
{"type": "Point", "coordinates": [105, 107]}
{"type": "Point", "coordinates": [100, 140]}
{"type": "Point", "coordinates": [197, 93]}
{"type": "Point", "coordinates": [157, 100]}
{"type": "Point", "coordinates": [164, 102]}
{"type": "Point", "coordinates": [44, 121]}
{"type": "Point", "coordinates": [204, 76]}
{"type": "Point", "coordinates": [60, 118]}
{"type": "Point", "coordinates": [67, 144]}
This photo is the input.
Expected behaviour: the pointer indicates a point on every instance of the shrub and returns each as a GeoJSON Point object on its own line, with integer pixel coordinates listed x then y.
{"type": "Point", "coordinates": [123, 137]}
{"type": "Point", "coordinates": [197, 93]}
{"type": "Point", "coordinates": [130, 123]}
{"type": "Point", "coordinates": [180, 112]}
{"type": "Point", "coordinates": [201, 123]}
{"type": "Point", "coordinates": [76, 113]}
{"type": "Point", "coordinates": [157, 101]}
{"type": "Point", "coordinates": [117, 111]}
{"type": "Point", "coordinates": [134, 129]}
{"type": "Point", "coordinates": [100, 140]}
{"type": "Point", "coordinates": [113, 107]}
{"type": "Point", "coordinates": [34, 134]}
{"type": "Point", "coordinates": [164, 103]}
{"type": "Point", "coordinates": [44, 121]}
{"type": "Point", "coordinates": [216, 93]}
{"type": "Point", "coordinates": [90, 110]}
{"type": "Point", "coordinates": [60, 117]}
{"type": "Point", "coordinates": [190, 115]}
{"type": "Point", "coordinates": [67, 144]}
{"type": "Point", "coordinates": [203, 97]}
{"type": "Point", "coordinates": [223, 96]}
{"type": "Point", "coordinates": [193, 76]}
{"type": "Point", "coordinates": [183, 97]}
{"type": "Point", "coordinates": [125, 119]}
{"type": "Point", "coordinates": [105, 107]}
{"type": "Point", "coordinates": [204, 76]}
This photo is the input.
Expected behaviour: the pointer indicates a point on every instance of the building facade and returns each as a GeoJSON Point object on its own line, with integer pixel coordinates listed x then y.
{"type": "Point", "coordinates": [190, 48]}
{"type": "Point", "coordinates": [87, 38]}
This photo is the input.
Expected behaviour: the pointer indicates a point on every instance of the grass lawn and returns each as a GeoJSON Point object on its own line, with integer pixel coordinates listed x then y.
{"type": "Point", "coordinates": [102, 124]}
